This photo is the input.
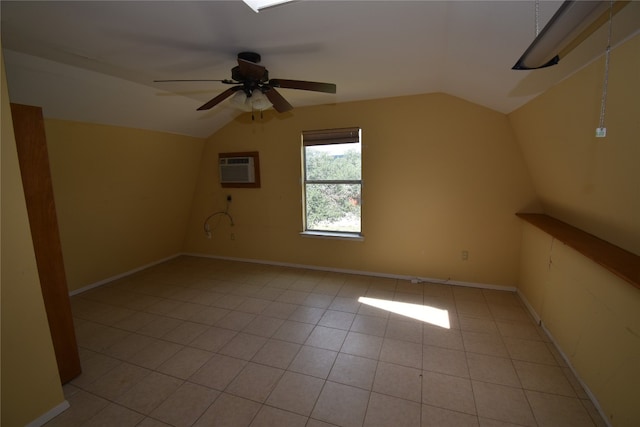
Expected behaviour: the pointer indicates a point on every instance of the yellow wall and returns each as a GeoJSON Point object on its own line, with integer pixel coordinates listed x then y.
{"type": "Point", "coordinates": [30, 381]}
{"type": "Point", "coordinates": [593, 316]}
{"type": "Point", "coordinates": [591, 183]}
{"type": "Point", "coordinates": [440, 175]}
{"type": "Point", "coordinates": [122, 195]}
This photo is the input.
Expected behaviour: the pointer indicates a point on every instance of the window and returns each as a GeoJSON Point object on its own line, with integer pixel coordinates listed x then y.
{"type": "Point", "coordinates": [332, 168]}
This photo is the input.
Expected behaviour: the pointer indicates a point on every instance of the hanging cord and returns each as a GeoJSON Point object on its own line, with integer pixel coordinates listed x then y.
{"type": "Point", "coordinates": [602, 131]}
{"type": "Point", "coordinates": [537, 17]}
{"type": "Point", "coordinates": [225, 212]}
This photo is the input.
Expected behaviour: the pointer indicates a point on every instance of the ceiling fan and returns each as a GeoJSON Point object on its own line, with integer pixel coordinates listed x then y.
{"type": "Point", "coordinates": [250, 77]}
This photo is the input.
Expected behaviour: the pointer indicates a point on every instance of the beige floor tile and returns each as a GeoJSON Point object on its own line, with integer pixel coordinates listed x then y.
{"type": "Point", "coordinates": [218, 372]}
{"type": "Point", "coordinates": [442, 337]}
{"type": "Point", "coordinates": [522, 330]}
{"type": "Point", "coordinates": [150, 422]}
{"type": "Point", "coordinates": [97, 337]}
{"type": "Point", "coordinates": [575, 383]}
{"type": "Point", "coordinates": [255, 382]}
{"type": "Point", "coordinates": [264, 326]}
{"type": "Point", "coordinates": [362, 345]}
{"type": "Point", "coordinates": [279, 310]}
{"type": "Point", "coordinates": [136, 321]}
{"type": "Point", "coordinates": [128, 346]}
{"type": "Point", "coordinates": [350, 305]}
{"type": "Point", "coordinates": [313, 361]}
{"type": "Point", "coordinates": [185, 332]}
{"type": "Point", "coordinates": [318, 300]}
{"type": "Point", "coordinates": [473, 308]}
{"type": "Point", "coordinates": [229, 411]}
{"type": "Point", "coordinates": [370, 325]}
{"type": "Point", "coordinates": [448, 392]}
{"type": "Point", "coordinates": [243, 346]}
{"type": "Point", "coordinates": [235, 320]}
{"type": "Point", "coordinates": [502, 403]}
{"type": "Point", "coordinates": [146, 395]}
{"type": "Point", "coordinates": [155, 354]}
{"type": "Point", "coordinates": [296, 332]}
{"type": "Point", "coordinates": [185, 405]}
{"type": "Point", "coordinates": [462, 293]}
{"type": "Point", "coordinates": [159, 326]}
{"type": "Point", "coordinates": [307, 314]}
{"type": "Point", "coordinates": [593, 412]}
{"type": "Point", "coordinates": [163, 306]}
{"type": "Point", "coordinates": [296, 393]}
{"type": "Point", "coordinates": [508, 312]}
{"type": "Point", "coordinates": [229, 302]}
{"type": "Point", "coordinates": [274, 417]}
{"type": "Point", "coordinates": [317, 423]}
{"type": "Point", "coordinates": [398, 381]}
{"type": "Point", "coordinates": [341, 405]}
{"type": "Point", "coordinates": [253, 305]}
{"type": "Point", "coordinates": [553, 410]}
{"type": "Point", "coordinates": [185, 362]}
{"type": "Point", "coordinates": [327, 338]}
{"type": "Point", "coordinates": [292, 296]}
{"type": "Point", "coordinates": [276, 353]}
{"type": "Point", "coordinates": [114, 415]}
{"type": "Point", "coordinates": [354, 371]}
{"type": "Point", "coordinates": [185, 310]}
{"type": "Point", "coordinates": [492, 369]}
{"type": "Point", "coordinates": [367, 310]}
{"type": "Point", "coordinates": [118, 381]}
{"type": "Point", "coordinates": [93, 368]}
{"type": "Point", "coordinates": [83, 406]}
{"type": "Point", "coordinates": [482, 343]}
{"type": "Point", "coordinates": [544, 378]}
{"type": "Point", "coordinates": [440, 417]}
{"type": "Point", "coordinates": [402, 353]}
{"type": "Point", "coordinates": [476, 324]}
{"type": "Point", "coordinates": [529, 351]}
{"type": "Point", "coordinates": [404, 330]}
{"type": "Point", "coordinates": [213, 339]}
{"type": "Point", "coordinates": [337, 319]}
{"type": "Point", "coordinates": [384, 411]}
{"type": "Point", "coordinates": [444, 361]}
{"type": "Point", "coordinates": [487, 422]}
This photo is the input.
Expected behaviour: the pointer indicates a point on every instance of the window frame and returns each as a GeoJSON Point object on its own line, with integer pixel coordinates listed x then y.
{"type": "Point", "coordinates": [328, 137]}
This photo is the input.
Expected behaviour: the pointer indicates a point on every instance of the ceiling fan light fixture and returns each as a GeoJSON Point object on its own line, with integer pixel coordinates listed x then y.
{"type": "Point", "coordinates": [258, 5]}
{"type": "Point", "coordinates": [573, 22]}
{"type": "Point", "coordinates": [256, 102]}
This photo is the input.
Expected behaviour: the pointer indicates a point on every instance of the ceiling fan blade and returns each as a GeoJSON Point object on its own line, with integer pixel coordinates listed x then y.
{"type": "Point", "coordinates": [251, 70]}
{"type": "Point", "coordinates": [224, 95]}
{"type": "Point", "coordinates": [195, 80]}
{"type": "Point", "coordinates": [302, 85]}
{"type": "Point", "coordinates": [279, 103]}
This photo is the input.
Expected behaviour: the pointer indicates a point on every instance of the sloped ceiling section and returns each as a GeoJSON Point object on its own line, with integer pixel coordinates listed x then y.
{"type": "Point", "coordinates": [96, 61]}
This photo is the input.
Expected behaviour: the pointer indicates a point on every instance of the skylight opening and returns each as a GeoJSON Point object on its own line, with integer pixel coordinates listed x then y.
{"type": "Point", "coordinates": [424, 313]}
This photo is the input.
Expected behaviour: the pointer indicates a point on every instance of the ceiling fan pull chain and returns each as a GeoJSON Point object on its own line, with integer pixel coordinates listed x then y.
{"type": "Point", "coordinates": [537, 17]}
{"type": "Point", "coordinates": [601, 131]}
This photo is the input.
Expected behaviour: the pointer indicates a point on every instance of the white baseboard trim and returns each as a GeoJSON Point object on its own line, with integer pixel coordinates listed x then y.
{"type": "Point", "coordinates": [49, 415]}
{"type": "Point", "coordinates": [120, 276]}
{"type": "Point", "coordinates": [538, 320]}
{"type": "Point", "coordinates": [360, 272]}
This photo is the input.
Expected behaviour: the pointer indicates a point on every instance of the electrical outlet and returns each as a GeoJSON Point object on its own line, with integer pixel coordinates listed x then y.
{"type": "Point", "coordinates": [209, 235]}
{"type": "Point", "coordinates": [465, 255]}
{"type": "Point", "coordinates": [233, 236]}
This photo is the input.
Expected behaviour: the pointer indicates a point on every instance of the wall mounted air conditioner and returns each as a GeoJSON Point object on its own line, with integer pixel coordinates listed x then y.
{"type": "Point", "coordinates": [237, 170]}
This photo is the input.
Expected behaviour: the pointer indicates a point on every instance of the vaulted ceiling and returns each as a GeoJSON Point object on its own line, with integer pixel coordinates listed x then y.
{"type": "Point", "coordinates": [97, 61]}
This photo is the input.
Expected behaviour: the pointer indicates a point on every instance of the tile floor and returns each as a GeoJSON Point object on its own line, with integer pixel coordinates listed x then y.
{"type": "Point", "coordinates": [203, 342]}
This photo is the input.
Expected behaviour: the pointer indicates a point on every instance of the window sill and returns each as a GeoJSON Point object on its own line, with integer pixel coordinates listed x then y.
{"type": "Point", "coordinates": [333, 235]}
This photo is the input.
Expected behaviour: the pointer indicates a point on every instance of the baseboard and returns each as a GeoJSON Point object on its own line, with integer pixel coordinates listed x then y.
{"type": "Point", "coordinates": [539, 321]}
{"type": "Point", "coordinates": [122, 275]}
{"type": "Point", "coordinates": [360, 272]}
{"type": "Point", "coordinates": [49, 415]}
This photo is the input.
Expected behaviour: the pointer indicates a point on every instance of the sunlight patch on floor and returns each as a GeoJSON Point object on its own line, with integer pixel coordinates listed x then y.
{"type": "Point", "coordinates": [425, 313]}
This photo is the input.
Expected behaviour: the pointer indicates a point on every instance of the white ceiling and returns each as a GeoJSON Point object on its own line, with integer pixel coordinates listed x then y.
{"type": "Point", "coordinates": [96, 61]}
